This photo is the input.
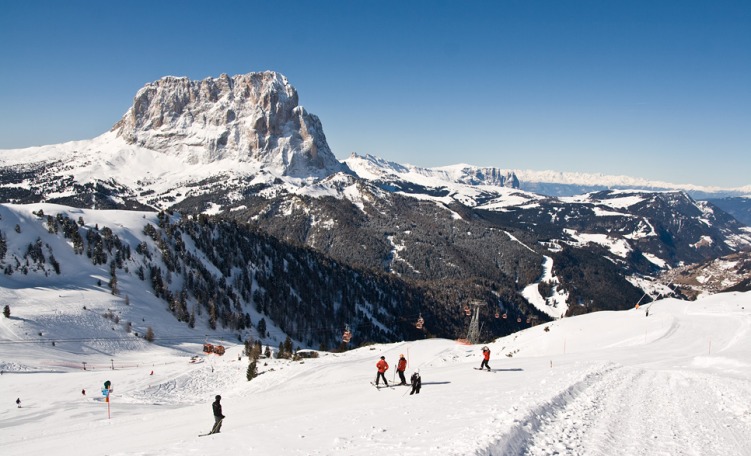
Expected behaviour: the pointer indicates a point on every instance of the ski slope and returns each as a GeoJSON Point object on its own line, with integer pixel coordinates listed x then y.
{"type": "Point", "coordinates": [675, 382]}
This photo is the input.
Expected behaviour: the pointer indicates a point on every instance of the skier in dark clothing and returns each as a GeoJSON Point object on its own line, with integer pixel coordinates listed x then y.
{"type": "Point", "coordinates": [416, 383]}
{"type": "Point", "coordinates": [400, 368]}
{"type": "Point", "coordinates": [485, 357]}
{"type": "Point", "coordinates": [218, 417]}
{"type": "Point", "coordinates": [18, 402]}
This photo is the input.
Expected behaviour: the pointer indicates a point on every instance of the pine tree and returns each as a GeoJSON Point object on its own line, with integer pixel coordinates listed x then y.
{"type": "Point", "coordinates": [261, 327]}
{"type": "Point", "coordinates": [288, 346]}
{"type": "Point", "coordinates": [149, 336]}
{"type": "Point", "coordinates": [113, 283]}
{"type": "Point", "coordinates": [248, 345]}
{"type": "Point", "coordinates": [252, 370]}
{"type": "Point", "coordinates": [255, 350]}
{"type": "Point", "coordinates": [212, 314]}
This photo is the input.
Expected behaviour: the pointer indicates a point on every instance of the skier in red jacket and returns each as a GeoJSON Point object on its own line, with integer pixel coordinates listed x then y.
{"type": "Point", "coordinates": [485, 357]}
{"type": "Point", "coordinates": [382, 366]}
{"type": "Point", "coordinates": [400, 368]}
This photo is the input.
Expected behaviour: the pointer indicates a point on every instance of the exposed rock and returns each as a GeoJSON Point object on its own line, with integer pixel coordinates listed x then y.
{"type": "Point", "coordinates": [248, 117]}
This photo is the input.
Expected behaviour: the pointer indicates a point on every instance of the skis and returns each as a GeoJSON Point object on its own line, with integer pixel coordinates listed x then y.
{"type": "Point", "coordinates": [480, 369]}
{"type": "Point", "coordinates": [381, 386]}
{"type": "Point", "coordinates": [214, 429]}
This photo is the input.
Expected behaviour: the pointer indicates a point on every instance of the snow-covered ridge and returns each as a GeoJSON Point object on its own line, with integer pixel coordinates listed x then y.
{"type": "Point", "coordinates": [371, 167]}
{"type": "Point", "coordinates": [534, 179]}
{"type": "Point", "coordinates": [489, 188]}
{"type": "Point", "coordinates": [564, 183]}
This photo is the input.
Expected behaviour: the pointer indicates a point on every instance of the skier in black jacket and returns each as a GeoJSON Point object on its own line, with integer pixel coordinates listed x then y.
{"type": "Point", "coordinates": [218, 417]}
{"type": "Point", "coordinates": [416, 383]}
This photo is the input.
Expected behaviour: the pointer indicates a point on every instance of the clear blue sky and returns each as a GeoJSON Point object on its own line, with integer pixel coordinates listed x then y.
{"type": "Point", "coordinates": [653, 89]}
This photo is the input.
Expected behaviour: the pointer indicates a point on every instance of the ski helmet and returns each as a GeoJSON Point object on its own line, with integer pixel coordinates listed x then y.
{"type": "Point", "coordinates": [218, 397]}
{"type": "Point", "coordinates": [383, 357]}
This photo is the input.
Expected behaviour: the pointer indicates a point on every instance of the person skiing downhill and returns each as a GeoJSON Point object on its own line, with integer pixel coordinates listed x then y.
{"type": "Point", "coordinates": [400, 368]}
{"type": "Point", "coordinates": [416, 383]}
{"type": "Point", "coordinates": [218, 416]}
{"type": "Point", "coordinates": [485, 357]}
{"type": "Point", "coordinates": [382, 366]}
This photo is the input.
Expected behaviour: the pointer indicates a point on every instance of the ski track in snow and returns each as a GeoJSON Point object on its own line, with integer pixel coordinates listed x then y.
{"type": "Point", "coordinates": [633, 411]}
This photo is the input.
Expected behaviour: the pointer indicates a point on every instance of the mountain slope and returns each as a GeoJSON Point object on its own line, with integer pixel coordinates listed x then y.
{"type": "Point", "coordinates": [212, 276]}
{"type": "Point", "coordinates": [242, 149]}
{"type": "Point", "coordinates": [675, 382]}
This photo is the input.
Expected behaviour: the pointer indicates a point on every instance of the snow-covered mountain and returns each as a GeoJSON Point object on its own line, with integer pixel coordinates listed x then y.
{"type": "Point", "coordinates": [262, 233]}
{"type": "Point", "coordinates": [251, 117]}
{"type": "Point", "coordinates": [180, 138]}
{"type": "Point", "coordinates": [374, 168]}
{"type": "Point", "coordinates": [241, 148]}
{"type": "Point", "coordinates": [549, 183]}
{"type": "Point", "coordinates": [214, 276]}
{"type": "Point", "coordinates": [557, 183]}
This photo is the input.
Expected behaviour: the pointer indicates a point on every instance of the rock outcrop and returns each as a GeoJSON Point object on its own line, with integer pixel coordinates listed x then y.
{"type": "Point", "coordinates": [248, 117]}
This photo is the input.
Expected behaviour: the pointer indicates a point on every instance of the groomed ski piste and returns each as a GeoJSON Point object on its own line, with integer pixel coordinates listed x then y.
{"type": "Point", "coordinates": [675, 382]}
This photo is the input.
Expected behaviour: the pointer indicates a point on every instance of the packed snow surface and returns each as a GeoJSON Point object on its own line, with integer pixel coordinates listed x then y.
{"type": "Point", "coordinates": [674, 380]}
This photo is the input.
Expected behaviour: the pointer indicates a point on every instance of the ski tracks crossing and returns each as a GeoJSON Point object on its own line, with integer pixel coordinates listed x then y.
{"type": "Point", "coordinates": [633, 411]}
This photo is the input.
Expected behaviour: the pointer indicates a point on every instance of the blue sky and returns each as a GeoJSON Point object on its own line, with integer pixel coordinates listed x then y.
{"type": "Point", "coordinates": [653, 89]}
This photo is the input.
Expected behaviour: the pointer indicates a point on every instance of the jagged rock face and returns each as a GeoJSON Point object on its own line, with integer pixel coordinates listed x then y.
{"type": "Point", "coordinates": [488, 176]}
{"type": "Point", "coordinates": [249, 117]}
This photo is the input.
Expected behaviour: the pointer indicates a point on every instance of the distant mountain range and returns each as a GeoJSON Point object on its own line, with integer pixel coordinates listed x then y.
{"type": "Point", "coordinates": [241, 150]}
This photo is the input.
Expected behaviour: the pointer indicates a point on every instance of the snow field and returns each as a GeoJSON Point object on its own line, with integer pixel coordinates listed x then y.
{"type": "Point", "coordinates": [675, 382]}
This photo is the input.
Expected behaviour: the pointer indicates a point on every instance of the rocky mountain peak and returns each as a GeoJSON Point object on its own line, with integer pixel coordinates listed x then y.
{"type": "Point", "coordinates": [247, 117]}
